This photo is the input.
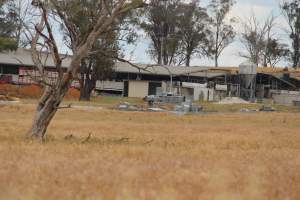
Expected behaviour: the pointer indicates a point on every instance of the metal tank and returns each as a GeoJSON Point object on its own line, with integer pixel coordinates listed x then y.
{"type": "Point", "coordinates": [247, 74]}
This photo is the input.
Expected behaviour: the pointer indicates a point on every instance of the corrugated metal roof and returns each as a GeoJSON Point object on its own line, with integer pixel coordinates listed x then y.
{"type": "Point", "coordinates": [23, 57]}
{"type": "Point", "coordinates": [167, 70]}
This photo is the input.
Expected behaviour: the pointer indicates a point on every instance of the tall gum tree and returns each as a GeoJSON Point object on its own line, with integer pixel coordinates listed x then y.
{"type": "Point", "coordinates": [8, 26]}
{"type": "Point", "coordinates": [193, 25]}
{"type": "Point", "coordinates": [159, 23]}
{"type": "Point", "coordinates": [222, 31]}
{"type": "Point", "coordinates": [291, 10]}
{"type": "Point", "coordinates": [261, 43]}
{"type": "Point", "coordinates": [81, 45]}
{"type": "Point", "coordinates": [97, 66]}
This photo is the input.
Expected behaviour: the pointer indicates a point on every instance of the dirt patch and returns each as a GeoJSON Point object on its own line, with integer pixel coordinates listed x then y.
{"type": "Point", "coordinates": [30, 91]}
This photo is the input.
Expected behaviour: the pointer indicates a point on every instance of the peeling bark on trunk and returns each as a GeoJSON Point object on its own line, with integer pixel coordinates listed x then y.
{"type": "Point", "coordinates": [42, 118]}
{"type": "Point", "coordinates": [54, 92]}
{"type": "Point", "coordinates": [46, 109]}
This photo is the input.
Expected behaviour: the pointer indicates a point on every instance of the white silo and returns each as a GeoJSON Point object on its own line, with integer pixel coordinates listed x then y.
{"type": "Point", "coordinates": [248, 71]}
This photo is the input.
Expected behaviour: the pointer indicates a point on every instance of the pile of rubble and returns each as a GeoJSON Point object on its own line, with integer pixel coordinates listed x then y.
{"type": "Point", "coordinates": [169, 99]}
{"type": "Point", "coordinates": [267, 108]}
{"type": "Point", "coordinates": [233, 100]}
{"type": "Point", "coordinates": [129, 107]}
{"type": "Point", "coordinates": [187, 107]}
{"type": "Point", "coordinates": [183, 108]}
{"type": "Point", "coordinates": [126, 106]}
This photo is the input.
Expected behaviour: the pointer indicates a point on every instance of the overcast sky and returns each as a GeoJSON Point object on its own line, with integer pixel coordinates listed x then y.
{"type": "Point", "coordinates": [230, 57]}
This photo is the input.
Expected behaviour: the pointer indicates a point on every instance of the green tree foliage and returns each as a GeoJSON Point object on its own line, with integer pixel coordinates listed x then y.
{"type": "Point", "coordinates": [7, 43]}
{"type": "Point", "coordinates": [291, 10]}
{"type": "Point", "coordinates": [178, 31]}
{"type": "Point", "coordinates": [159, 23]}
{"type": "Point", "coordinates": [7, 27]}
{"type": "Point", "coordinates": [103, 19]}
{"type": "Point", "coordinates": [275, 51]}
{"type": "Point", "coordinates": [99, 64]}
{"type": "Point", "coordinates": [222, 31]}
{"type": "Point", "coordinates": [193, 26]}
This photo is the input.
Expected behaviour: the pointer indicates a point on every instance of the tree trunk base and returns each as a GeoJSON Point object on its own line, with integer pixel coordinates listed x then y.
{"type": "Point", "coordinates": [46, 109]}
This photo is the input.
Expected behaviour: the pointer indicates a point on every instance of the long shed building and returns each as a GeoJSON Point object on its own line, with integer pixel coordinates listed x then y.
{"type": "Point", "coordinates": [139, 80]}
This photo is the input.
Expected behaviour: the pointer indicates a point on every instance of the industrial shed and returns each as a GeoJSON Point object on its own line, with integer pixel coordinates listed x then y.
{"type": "Point", "coordinates": [196, 82]}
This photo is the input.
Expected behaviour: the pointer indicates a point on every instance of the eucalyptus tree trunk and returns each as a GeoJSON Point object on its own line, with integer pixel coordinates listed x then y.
{"type": "Point", "coordinates": [87, 80]}
{"type": "Point", "coordinates": [188, 60]}
{"type": "Point", "coordinates": [51, 99]}
{"type": "Point", "coordinates": [54, 93]}
{"type": "Point", "coordinates": [86, 88]}
{"type": "Point", "coordinates": [216, 60]}
{"type": "Point", "coordinates": [47, 107]}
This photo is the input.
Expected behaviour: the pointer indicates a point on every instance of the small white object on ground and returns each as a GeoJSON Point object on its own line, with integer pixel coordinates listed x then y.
{"type": "Point", "coordinates": [87, 107]}
{"type": "Point", "coordinates": [156, 109]}
{"type": "Point", "coordinates": [9, 102]}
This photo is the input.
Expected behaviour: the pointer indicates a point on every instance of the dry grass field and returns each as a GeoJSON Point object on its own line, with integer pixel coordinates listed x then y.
{"type": "Point", "coordinates": [135, 155]}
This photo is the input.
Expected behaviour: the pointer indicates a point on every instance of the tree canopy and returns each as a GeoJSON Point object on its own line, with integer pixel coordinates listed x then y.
{"type": "Point", "coordinates": [291, 10]}
{"type": "Point", "coordinates": [8, 26]}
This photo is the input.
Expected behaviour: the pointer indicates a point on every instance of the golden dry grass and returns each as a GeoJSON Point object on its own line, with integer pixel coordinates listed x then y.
{"type": "Point", "coordinates": [134, 155]}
